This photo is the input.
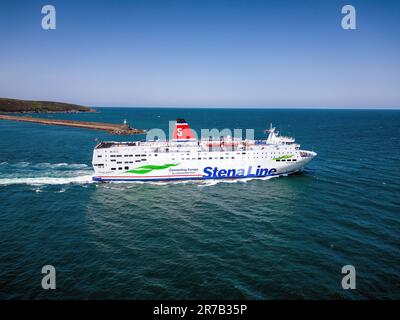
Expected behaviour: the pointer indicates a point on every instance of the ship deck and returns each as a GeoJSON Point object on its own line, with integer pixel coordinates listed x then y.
{"type": "Point", "coordinates": [192, 146]}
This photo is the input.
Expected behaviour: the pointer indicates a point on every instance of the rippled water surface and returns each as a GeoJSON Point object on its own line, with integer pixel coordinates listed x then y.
{"type": "Point", "coordinates": [285, 237]}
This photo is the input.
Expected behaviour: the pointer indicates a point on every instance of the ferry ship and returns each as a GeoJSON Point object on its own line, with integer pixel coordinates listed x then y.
{"type": "Point", "coordinates": [184, 157]}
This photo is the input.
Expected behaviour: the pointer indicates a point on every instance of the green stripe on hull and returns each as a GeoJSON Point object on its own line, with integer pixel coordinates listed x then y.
{"type": "Point", "coordinates": [150, 167]}
{"type": "Point", "coordinates": [288, 156]}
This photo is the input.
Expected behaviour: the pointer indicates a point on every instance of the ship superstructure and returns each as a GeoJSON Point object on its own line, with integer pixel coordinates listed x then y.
{"type": "Point", "coordinates": [184, 157]}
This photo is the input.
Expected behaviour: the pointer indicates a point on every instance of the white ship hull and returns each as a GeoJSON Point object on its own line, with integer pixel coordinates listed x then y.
{"type": "Point", "coordinates": [212, 171]}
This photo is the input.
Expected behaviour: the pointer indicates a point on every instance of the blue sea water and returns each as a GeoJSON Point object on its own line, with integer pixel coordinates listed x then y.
{"type": "Point", "coordinates": [283, 238]}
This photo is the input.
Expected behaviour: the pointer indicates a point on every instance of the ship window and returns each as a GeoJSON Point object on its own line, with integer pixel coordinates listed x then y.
{"type": "Point", "coordinates": [131, 155]}
{"type": "Point", "coordinates": [143, 155]}
{"type": "Point", "coordinates": [294, 160]}
{"type": "Point", "coordinates": [137, 155]}
{"type": "Point", "coordinates": [137, 160]}
{"type": "Point", "coordinates": [221, 157]}
{"type": "Point", "coordinates": [119, 168]}
{"type": "Point", "coordinates": [119, 156]}
{"type": "Point", "coordinates": [112, 156]}
{"type": "Point", "coordinates": [232, 157]}
{"type": "Point", "coordinates": [278, 160]}
{"type": "Point", "coordinates": [113, 169]}
{"type": "Point", "coordinates": [114, 160]}
{"type": "Point", "coordinates": [210, 158]}
{"type": "Point", "coordinates": [99, 156]}
{"type": "Point", "coordinates": [199, 158]}
{"type": "Point", "coordinates": [119, 162]}
{"type": "Point", "coordinates": [126, 168]}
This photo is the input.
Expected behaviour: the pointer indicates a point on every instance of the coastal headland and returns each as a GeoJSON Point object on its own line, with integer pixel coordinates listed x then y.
{"type": "Point", "coordinates": [30, 106]}
{"type": "Point", "coordinates": [15, 106]}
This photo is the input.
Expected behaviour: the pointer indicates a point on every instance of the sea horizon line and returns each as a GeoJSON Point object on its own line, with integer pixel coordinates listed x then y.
{"type": "Point", "coordinates": [244, 107]}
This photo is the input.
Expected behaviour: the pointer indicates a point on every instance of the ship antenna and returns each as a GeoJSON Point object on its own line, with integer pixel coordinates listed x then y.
{"type": "Point", "coordinates": [270, 128]}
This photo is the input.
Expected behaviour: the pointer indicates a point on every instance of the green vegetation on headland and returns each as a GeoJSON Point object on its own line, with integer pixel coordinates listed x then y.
{"type": "Point", "coordinates": [28, 106]}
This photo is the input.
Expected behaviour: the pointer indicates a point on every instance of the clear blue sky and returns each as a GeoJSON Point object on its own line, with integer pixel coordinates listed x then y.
{"type": "Point", "coordinates": [202, 53]}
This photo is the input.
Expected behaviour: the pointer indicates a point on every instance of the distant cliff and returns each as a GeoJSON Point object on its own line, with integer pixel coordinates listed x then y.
{"type": "Point", "coordinates": [28, 106]}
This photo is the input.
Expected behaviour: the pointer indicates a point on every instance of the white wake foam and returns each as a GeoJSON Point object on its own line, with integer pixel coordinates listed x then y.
{"type": "Point", "coordinates": [63, 165]}
{"type": "Point", "coordinates": [44, 173]}
{"type": "Point", "coordinates": [45, 165]}
{"type": "Point", "coordinates": [47, 180]}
